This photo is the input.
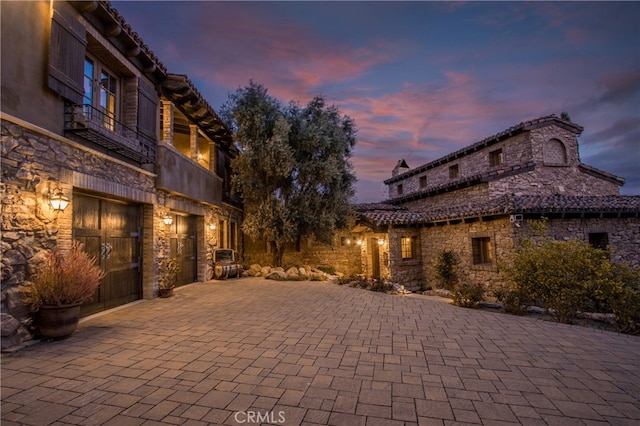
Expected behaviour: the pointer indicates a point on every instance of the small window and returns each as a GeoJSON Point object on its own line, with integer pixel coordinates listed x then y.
{"type": "Point", "coordinates": [400, 189]}
{"type": "Point", "coordinates": [495, 158]}
{"type": "Point", "coordinates": [423, 181]}
{"type": "Point", "coordinates": [454, 171]}
{"type": "Point", "coordinates": [482, 252]}
{"type": "Point", "coordinates": [407, 245]}
{"type": "Point", "coordinates": [599, 240]}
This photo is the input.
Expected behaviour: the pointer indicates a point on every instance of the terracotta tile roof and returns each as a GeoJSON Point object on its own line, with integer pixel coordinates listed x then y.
{"type": "Point", "coordinates": [511, 131]}
{"type": "Point", "coordinates": [388, 214]}
{"type": "Point", "coordinates": [576, 204]}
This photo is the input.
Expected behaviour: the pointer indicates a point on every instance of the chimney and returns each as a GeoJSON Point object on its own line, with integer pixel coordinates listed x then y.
{"type": "Point", "coordinates": [400, 168]}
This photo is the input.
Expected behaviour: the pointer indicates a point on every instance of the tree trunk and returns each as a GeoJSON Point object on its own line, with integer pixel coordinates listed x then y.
{"type": "Point", "coordinates": [278, 254]}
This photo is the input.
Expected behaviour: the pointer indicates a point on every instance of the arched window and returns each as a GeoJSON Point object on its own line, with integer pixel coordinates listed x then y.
{"type": "Point", "coordinates": [555, 153]}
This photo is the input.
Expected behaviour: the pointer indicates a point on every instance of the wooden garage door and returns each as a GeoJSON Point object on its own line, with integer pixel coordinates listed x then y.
{"type": "Point", "coordinates": [110, 231]}
{"type": "Point", "coordinates": [182, 246]}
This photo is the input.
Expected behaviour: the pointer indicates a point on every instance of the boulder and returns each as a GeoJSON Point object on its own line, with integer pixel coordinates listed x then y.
{"type": "Point", "coordinates": [276, 275]}
{"type": "Point", "coordinates": [264, 271]}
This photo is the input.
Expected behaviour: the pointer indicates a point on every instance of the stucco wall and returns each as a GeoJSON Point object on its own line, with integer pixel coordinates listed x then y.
{"type": "Point", "coordinates": [24, 64]}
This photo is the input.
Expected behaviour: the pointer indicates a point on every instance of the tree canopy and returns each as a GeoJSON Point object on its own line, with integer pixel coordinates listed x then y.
{"type": "Point", "coordinates": [293, 171]}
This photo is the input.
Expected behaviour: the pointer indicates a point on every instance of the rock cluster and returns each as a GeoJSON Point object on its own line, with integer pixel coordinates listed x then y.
{"type": "Point", "coordinates": [293, 273]}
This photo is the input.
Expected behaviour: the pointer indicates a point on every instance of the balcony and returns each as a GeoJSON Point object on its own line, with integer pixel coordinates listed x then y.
{"type": "Point", "coordinates": [178, 174]}
{"type": "Point", "coordinates": [105, 131]}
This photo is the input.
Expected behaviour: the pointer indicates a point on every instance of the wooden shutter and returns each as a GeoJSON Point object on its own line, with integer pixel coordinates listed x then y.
{"type": "Point", "coordinates": [67, 45]}
{"type": "Point", "coordinates": [147, 109]}
{"type": "Point", "coordinates": [477, 250]}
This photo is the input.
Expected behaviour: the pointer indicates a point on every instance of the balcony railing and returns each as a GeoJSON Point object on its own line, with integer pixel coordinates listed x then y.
{"type": "Point", "coordinates": [104, 130]}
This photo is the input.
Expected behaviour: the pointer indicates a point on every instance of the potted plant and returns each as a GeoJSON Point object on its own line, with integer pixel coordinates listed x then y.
{"type": "Point", "coordinates": [63, 282]}
{"type": "Point", "coordinates": [168, 270]}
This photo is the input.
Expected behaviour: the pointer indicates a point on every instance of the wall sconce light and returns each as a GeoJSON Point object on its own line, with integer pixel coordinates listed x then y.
{"type": "Point", "coordinates": [212, 226]}
{"type": "Point", "coordinates": [380, 241]}
{"type": "Point", "coordinates": [359, 242]}
{"type": "Point", "coordinates": [167, 219]}
{"type": "Point", "coordinates": [57, 200]}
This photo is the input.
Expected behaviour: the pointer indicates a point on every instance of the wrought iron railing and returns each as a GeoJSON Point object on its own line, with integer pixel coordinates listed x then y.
{"type": "Point", "coordinates": [103, 129]}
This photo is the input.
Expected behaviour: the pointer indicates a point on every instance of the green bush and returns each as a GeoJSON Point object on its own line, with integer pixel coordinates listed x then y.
{"type": "Point", "coordinates": [445, 268]}
{"type": "Point", "coordinates": [514, 301]}
{"type": "Point", "coordinates": [468, 295]}
{"type": "Point", "coordinates": [571, 276]}
{"type": "Point", "coordinates": [327, 269]}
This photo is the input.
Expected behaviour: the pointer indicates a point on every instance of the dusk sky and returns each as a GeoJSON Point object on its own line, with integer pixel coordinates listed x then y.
{"type": "Point", "coordinates": [420, 79]}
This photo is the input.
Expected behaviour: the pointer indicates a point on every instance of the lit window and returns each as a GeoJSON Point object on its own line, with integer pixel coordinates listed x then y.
{"type": "Point", "coordinates": [495, 158]}
{"type": "Point", "coordinates": [482, 252]}
{"type": "Point", "coordinates": [454, 171]}
{"type": "Point", "coordinates": [100, 94]}
{"type": "Point", "coordinates": [407, 247]}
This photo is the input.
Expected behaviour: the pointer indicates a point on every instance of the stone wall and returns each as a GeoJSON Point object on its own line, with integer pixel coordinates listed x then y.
{"type": "Point", "coordinates": [407, 272]}
{"type": "Point", "coordinates": [516, 150]}
{"type": "Point", "coordinates": [623, 234]}
{"type": "Point", "coordinates": [344, 258]}
{"type": "Point", "coordinates": [553, 149]}
{"type": "Point", "coordinates": [458, 238]}
{"type": "Point", "coordinates": [467, 196]}
{"type": "Point", "coordinates": [557, 180]}
{"type": "Point", "coordinates": [35, 161]}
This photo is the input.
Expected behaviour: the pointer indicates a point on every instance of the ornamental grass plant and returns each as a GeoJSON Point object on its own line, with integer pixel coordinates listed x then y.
{"type": "Point", "coordinates": [63, 279]}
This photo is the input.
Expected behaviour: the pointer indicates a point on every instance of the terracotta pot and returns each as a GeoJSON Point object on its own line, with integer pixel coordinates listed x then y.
{"type": "Point", "coordinates": [165, 292]}
{"type": "Point", "coordinates": [58, 322]}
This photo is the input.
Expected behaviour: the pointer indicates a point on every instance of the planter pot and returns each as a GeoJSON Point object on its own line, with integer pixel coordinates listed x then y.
{"type": "Point", "coordinates": [165, 292]}
{"type": "Point", "coordinates": [58, 322]}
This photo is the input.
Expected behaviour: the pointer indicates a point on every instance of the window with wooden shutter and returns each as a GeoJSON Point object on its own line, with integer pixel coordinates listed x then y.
{"type": "Point", "coordinates": [67, 45]}
{"type": "Point", "coordinates": [147, 109]}
{"type": "Point", "coordinates": [482, 251]}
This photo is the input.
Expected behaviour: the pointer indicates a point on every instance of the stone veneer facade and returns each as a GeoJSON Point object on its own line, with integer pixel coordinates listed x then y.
{"type": "Point", "coordinates": [447, 203]}
{"type": "Point", "coordinates": [34, 161]}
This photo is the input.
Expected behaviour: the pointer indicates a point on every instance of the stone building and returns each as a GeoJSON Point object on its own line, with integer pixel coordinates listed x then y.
{"type": "Point", "coordinates": [479, 201]}
{"type": "Point", "coordinates": [91, 116]}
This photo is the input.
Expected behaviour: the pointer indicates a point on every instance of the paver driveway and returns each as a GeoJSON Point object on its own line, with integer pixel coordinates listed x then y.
{"type": "Point", "coordinates": [250, 350]}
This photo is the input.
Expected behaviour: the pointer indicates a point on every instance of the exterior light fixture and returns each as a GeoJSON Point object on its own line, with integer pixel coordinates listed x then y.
{"type": "Point", "coordinates": [57, 200]}
{"type": "Point", "coordinates": [359, 242]}
{"type": "Point", "coordinates": [167, 219]}
{"type": "Point", "coordinates": [212, 226]}
{"type": "Point", "coordinates": [380, 241]}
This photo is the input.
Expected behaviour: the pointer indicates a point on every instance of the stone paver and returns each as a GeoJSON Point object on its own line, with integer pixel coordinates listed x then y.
{"type": "Point", "coordinates": [252, 351]}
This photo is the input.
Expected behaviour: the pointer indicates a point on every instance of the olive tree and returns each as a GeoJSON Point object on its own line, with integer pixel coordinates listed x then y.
{"type": "Point", "coordinates": [293, 171]}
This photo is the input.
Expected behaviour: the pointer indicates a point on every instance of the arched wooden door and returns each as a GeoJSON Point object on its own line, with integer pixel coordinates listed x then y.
{"type": "Point", "coordinates": [110, 231]}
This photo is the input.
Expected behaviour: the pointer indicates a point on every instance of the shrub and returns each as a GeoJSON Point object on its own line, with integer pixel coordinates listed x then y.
{"type": "Point", "coordinates": [514, 300]}
{"type": "Point", "coordinates": [67, 279]}
{"type": "Point", "coordinates": [445, 268]}
{"type": "Point", "coordinates": [567, 277]}
{"type": "Point", "coordinates": [327, 269]}
{"type": "Point", "coordinates": [621, 296]}
{"type": "Point", "coordinates": [468, 295]}
{"type": "Point", "coordinates": [168, 270]}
